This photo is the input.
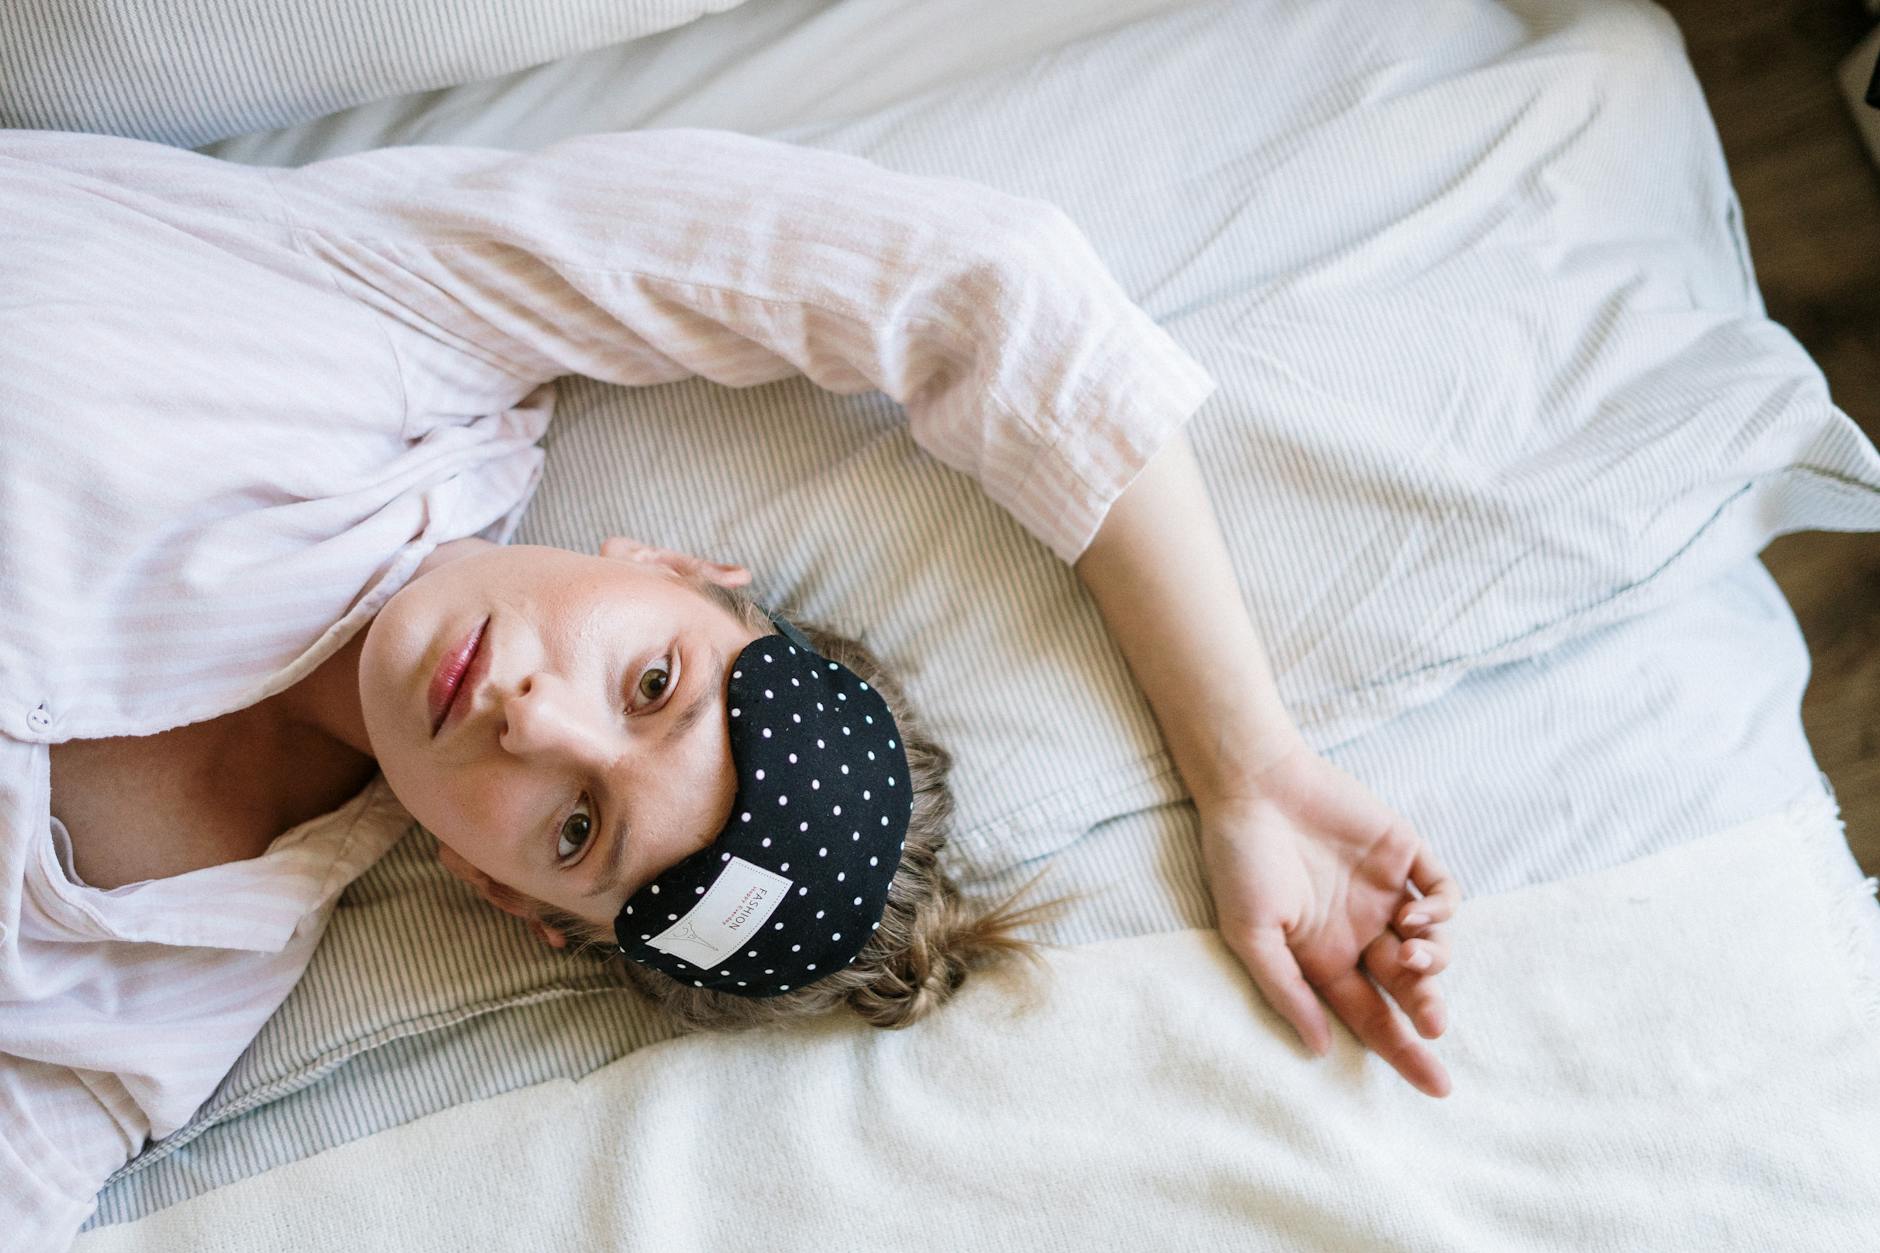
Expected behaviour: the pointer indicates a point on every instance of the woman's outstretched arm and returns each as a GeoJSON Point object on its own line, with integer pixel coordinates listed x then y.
{"type": "Point", "coordinates": [1307, 868]}
{"type": "Point", "coordinates": [648, 256]}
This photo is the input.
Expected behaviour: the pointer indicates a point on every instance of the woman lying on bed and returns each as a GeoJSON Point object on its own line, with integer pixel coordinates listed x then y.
{"type": "Point", "coordinates": [266, 436]}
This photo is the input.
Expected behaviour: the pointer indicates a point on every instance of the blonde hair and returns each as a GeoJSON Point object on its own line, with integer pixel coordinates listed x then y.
{"type": "Point", "coordinates": [930, 938]}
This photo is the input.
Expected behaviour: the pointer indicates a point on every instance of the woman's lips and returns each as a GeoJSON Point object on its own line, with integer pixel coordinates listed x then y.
{"type": "Point", "coordinates": [453, 678]}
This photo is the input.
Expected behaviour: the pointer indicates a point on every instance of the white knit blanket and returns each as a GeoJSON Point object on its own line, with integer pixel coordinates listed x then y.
{"type": "Point", "coordinates": [1677, 1053]}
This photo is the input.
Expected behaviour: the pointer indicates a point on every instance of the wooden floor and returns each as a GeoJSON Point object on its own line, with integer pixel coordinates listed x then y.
{"type": "Point", "coordinates": [1811, 204]}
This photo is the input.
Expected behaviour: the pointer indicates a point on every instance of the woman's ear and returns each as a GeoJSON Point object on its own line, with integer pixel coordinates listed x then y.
{"type": "Point", "coordinates": [620, 548]}
{"type": "Point", "coordinates": [495, 893]}
{"type": "Point", "coordinates": [500, 895]}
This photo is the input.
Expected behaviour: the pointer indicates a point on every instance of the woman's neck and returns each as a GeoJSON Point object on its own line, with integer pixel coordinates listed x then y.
{"type": "Point", "coordinates": [327, 700]}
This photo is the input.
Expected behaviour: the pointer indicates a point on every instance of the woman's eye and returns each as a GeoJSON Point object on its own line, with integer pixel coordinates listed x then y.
{"type": "Point", "coordinates": [576, 829]}
{"type": "Point", "coordinates": [654, 680]}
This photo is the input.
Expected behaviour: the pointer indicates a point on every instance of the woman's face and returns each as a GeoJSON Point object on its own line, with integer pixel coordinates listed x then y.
{"type": "Point", "coordinates": [587, 749]}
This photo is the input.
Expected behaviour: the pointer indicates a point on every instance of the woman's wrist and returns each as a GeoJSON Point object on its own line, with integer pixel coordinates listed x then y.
{"type": "Point", "coordinates": [1227, 765]}
{"type": "Point", "coordinates": [1236, 775]}
{"type": "Point", "coordinates": [1159, 572]}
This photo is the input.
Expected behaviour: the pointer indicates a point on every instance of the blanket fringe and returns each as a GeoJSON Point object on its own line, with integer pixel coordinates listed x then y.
{"type": "Point", "coordinates": [1816, 819]}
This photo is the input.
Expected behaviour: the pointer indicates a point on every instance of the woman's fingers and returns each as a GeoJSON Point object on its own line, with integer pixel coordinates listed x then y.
{"type": "Point", "coordinates": [1413, 986]}
{"type": "Point", "coordinates": [1275, 970]}
{"type": "Point", "coordinates": [1363, 1008]}
{"type": "Point", "coordinates": [1441, 893]}
{"type": "Point", "coordinates": [1432, 877]}
{"type": "Point", "coordinates": [1405, 960]}
{"type": "Point", "coordinates": [1435, 881]}
{"type": "Point", "coordinates": [1419, 915]}
{"type": "Point", "coordinates": [1426, 954]}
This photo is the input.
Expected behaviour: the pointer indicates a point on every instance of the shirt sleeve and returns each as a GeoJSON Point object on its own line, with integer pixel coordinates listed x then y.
{"type": "Point", "coordinates": [648, 256]}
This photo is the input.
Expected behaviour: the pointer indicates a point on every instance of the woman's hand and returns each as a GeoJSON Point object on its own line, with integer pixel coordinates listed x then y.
{"type": "Point", "coordinates": [1308, 872]}
{"type": "Point", "coordinates": [1306, 866]}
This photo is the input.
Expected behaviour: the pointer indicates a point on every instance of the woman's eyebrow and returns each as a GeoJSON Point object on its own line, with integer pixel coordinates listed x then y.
{"type": "Point", "coordinates": [616, 861]}
{"type": "Point", "coordinates": [701, 697]}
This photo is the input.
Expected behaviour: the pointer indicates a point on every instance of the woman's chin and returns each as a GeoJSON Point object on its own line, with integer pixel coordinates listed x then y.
{"type": "Point", "coordinates": [383, 699]}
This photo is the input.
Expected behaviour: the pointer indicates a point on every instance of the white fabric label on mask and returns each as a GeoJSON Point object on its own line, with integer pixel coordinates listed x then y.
{"type": "Point", "coordinates": [733, 910]}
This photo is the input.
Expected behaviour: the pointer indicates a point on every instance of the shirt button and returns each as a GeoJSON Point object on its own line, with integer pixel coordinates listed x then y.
{"type": "Point", "coordinates": [39, 719]}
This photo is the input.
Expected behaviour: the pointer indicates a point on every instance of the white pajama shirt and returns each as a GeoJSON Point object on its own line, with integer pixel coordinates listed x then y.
{"type": "Point", "coordinates": [239, 405]}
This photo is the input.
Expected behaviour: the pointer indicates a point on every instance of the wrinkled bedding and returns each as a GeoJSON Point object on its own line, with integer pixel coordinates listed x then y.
{"type": "Point", "coordinates": [1501, 429]}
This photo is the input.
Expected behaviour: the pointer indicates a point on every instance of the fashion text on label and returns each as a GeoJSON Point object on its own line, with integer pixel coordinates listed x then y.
{"type": "Point", "coordinates": [732, 911]}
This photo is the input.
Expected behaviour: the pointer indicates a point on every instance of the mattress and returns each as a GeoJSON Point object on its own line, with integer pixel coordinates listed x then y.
{"type": "Point", "coordinates": [1615, 736]}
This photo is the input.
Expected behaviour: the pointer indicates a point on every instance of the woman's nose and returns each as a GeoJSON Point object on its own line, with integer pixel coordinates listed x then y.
{"type": "Point", "coordinates": [544, 719]}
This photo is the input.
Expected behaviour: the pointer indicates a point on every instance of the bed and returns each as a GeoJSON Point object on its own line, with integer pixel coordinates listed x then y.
{"type": "Point", "coordinates": [1502, 428]}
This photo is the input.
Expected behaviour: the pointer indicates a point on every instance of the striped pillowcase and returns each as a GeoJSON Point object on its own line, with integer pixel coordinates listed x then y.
{"type": "Point", "coordinates": [188, 72]}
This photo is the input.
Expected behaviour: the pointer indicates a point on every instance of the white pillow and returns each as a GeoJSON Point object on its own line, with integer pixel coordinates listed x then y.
{"type": "Point", "coordinates": [187, 72]}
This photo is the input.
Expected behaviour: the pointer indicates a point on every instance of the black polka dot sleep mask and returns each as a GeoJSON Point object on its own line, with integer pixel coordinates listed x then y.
{"type": "Point", "coordinates": [795, 884]}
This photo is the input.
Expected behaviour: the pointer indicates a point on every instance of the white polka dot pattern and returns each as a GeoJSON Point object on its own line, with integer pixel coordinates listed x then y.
{"type": "Point", "coordinates": [840, 884]}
